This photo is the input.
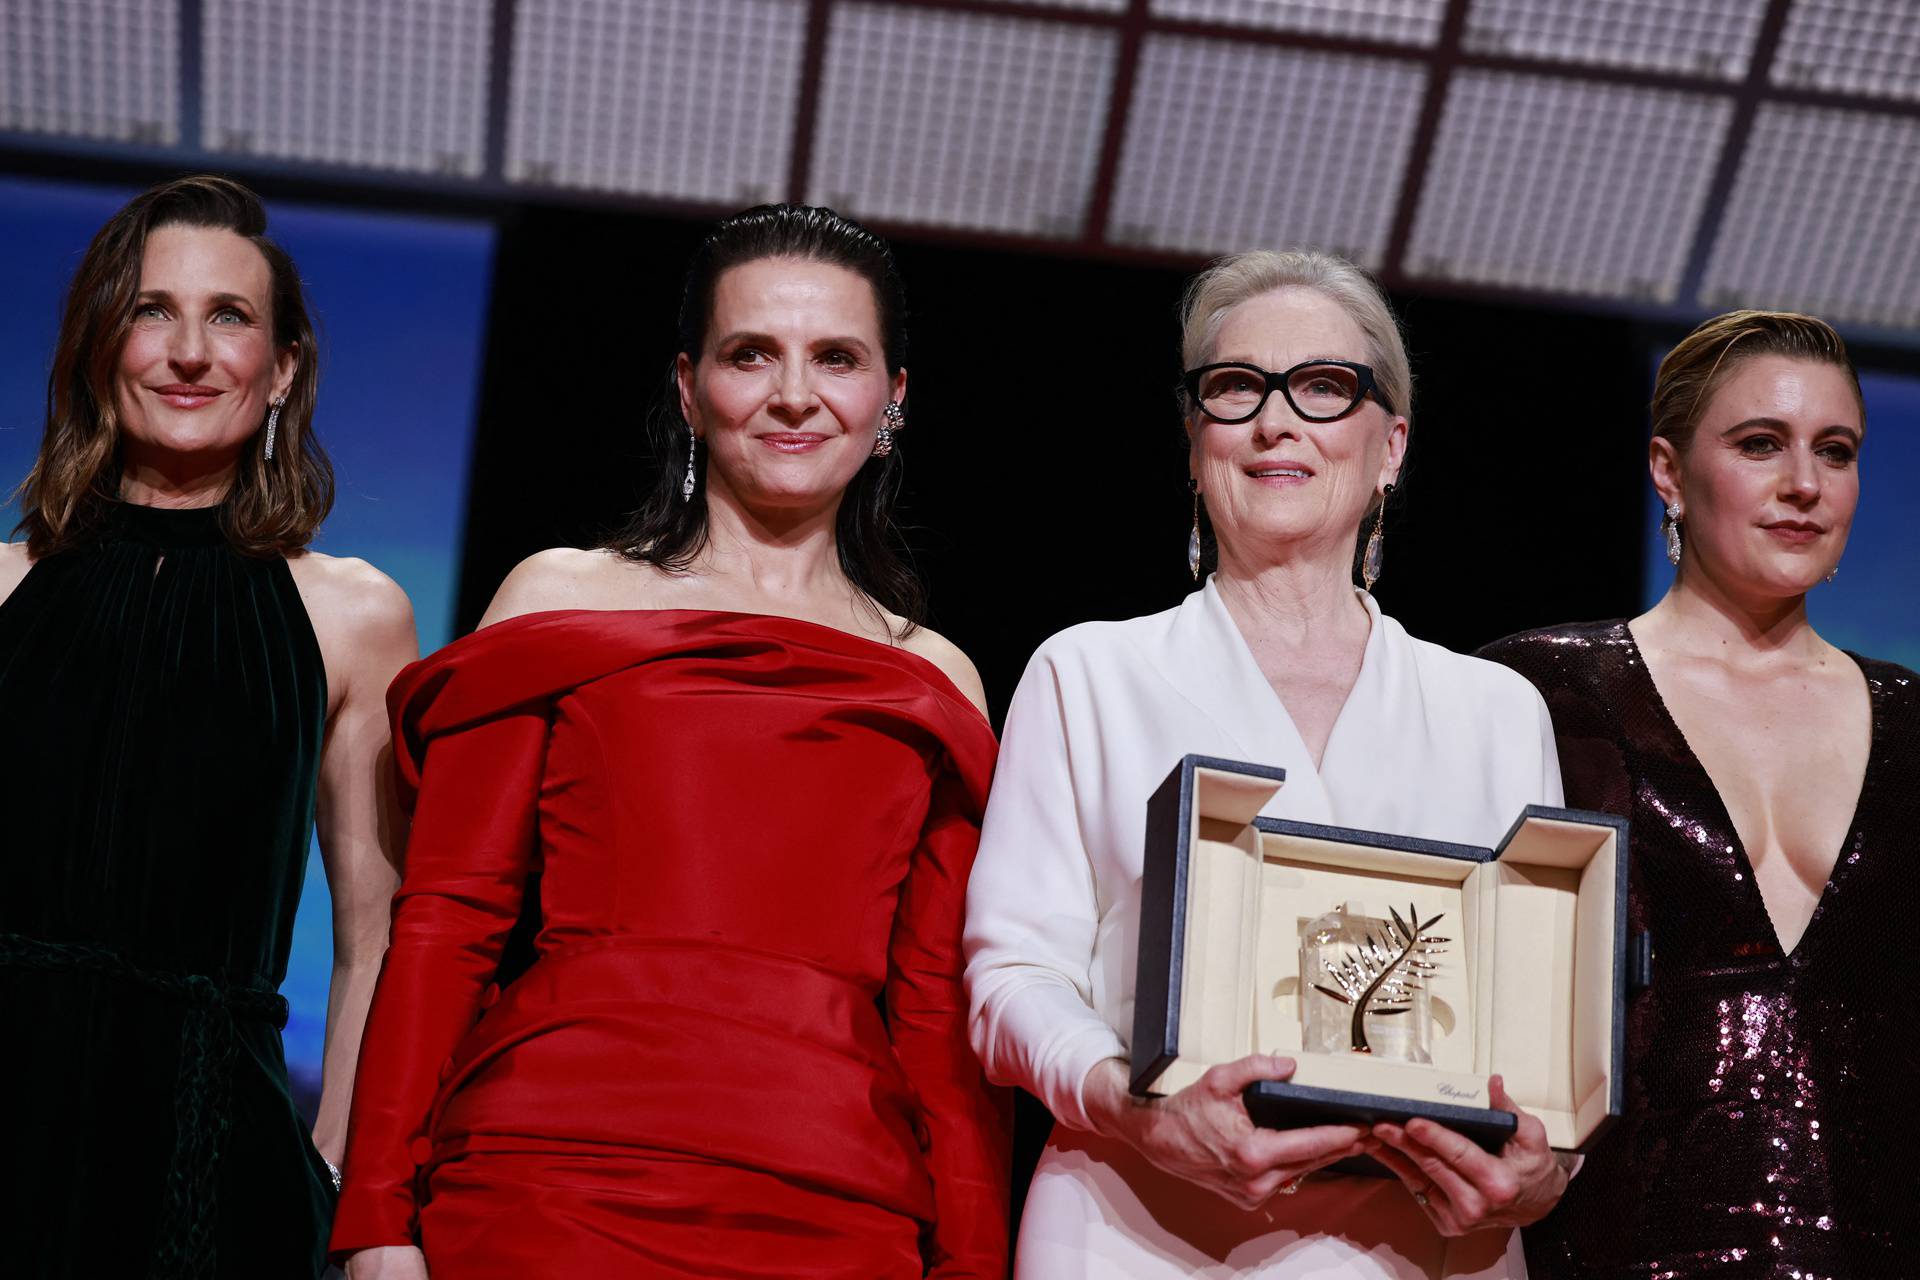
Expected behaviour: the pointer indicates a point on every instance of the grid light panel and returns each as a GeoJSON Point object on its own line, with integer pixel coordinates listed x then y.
{"type": "Point", "coordinates": [1233, 147]}
{"type": "Point", "coordinates": [383, 84]}
{"type": "Point", "coordinates": [1571, 187]}
{"type": "Point", "coordinates": [661, 98]}
{"type": "Point", "coordinates": [91, 68]}
{"type": "Point", "coordinates": [961, 120]}
{"type": "Point", "coordinates": [1709, 38]}
{"type": "Point", "coordinates": [1869, 47]}
{"type": "Point", "coordinates": [1412, 22]}
{"type": "Point", "coordinates": [1087, 6]}
{"type": "Point", "coordinates": [1821, 218]}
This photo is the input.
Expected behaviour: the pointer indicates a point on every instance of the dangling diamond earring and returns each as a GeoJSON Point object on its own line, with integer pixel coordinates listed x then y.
{"type": "Point", "coordinates": [893, 419]}
{"type": "Point", "coordinates": [1193, 538]}
{"type": "Point", "coordinates": [273, 425]}
{"type": "Point", "coordinates": [1833, 573]}
{"type": "Point", "coordinates": [686, 486]}
{"type": "Point", "coordinates": [1673, 533]}
{"type": "Point", "coordinates": [1375, 557]}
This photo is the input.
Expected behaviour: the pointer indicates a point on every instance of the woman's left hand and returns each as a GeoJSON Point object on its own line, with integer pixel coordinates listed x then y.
{"type": "Point", "coordinates": [1463, 1188]}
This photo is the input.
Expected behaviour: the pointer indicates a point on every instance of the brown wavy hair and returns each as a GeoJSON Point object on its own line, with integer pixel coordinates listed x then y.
{"type": "Point", "coordinates": [274, 506]}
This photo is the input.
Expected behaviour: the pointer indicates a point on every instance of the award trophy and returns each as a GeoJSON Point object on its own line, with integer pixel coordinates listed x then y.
{"type": "Point", "coordinates": [1362, 988]}
{"type": "Point", "coordinates": [1261, 934]}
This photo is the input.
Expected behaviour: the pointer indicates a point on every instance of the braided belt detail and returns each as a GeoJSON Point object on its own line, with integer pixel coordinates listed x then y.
{"type": "Point", "coordinates": [201, 1117]}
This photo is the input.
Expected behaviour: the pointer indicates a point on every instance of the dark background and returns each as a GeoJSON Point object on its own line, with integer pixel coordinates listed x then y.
{"type": "Point", "coordinates": [1045, 465]}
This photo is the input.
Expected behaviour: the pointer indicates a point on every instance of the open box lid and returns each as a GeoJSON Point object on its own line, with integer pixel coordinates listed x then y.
{"type": "Point", "coordinates": [1557, 881]}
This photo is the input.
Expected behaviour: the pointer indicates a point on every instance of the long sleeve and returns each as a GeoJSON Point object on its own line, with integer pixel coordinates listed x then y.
{"type": "Point", "coordinates": [1033, 915]}
{"type": "Point", "coordinates": [967, 1121]}
{"type": "Point", "coordinates": [468, 860]}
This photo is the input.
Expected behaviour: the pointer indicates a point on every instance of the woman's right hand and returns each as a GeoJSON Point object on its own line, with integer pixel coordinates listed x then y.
{"type": "Point", "coordinates": [388, 1262]}
{"type": "Point", "coordinates": [1204, 1135]}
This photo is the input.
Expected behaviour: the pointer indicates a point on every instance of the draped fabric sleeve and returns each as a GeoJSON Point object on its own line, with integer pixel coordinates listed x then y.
{"type": "Point", "coordinates": [1032, 911]}
{"type": "Point", "coordinates": [468, 859]}
{"type": "Point", "coordinates": [967, 1121]}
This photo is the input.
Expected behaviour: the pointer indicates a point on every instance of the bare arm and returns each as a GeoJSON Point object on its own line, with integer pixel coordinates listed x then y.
{"type": "Point", "coordinates": [953, 664]}
{"type": "Point", "coordinates": [365, 625]}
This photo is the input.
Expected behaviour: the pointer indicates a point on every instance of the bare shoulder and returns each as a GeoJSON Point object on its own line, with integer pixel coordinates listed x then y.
{"type": "Point", "coordinates": [568, 578]}
{"type": "Point", "coordinates": [14, 564]}
{"type": "Point", "coordinates": [352, 599]}
{"type": "Point", "coordinates": [955, 665]}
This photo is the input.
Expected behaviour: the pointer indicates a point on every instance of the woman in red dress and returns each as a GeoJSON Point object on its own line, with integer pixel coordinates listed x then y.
{"type": "Point", "coordinates": [737, 791]}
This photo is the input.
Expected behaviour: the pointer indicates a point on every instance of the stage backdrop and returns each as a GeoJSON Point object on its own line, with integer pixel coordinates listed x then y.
{"type": "Point", "coordinates": [1871, 607]}
{"type": "Point", "coordinates": [401, 307]}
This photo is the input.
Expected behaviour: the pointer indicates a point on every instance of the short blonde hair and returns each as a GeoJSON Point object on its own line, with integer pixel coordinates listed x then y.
{"type": "Point", "coordinates": [1703, 361]}
{"type": "Point", "coordinates": [1227, 282]}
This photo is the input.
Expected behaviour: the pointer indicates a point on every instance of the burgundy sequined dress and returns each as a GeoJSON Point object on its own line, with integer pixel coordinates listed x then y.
{"type": "Point", "coordinates": [1771, 1126]}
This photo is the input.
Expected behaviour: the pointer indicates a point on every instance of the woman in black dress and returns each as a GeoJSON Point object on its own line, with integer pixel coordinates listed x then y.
{"type": "Point", "coordinates": [184, 690]}
{"type": "Point", "coordinates": [1773, 784]}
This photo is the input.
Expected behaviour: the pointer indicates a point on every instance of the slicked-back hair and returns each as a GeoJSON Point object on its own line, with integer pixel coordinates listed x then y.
{"type": "Point", "coordinates": [1702, 362]}
{"type": "Point", "coordinates": [274, 505]}
{"type": "Point", "coordinates": [669, 533]}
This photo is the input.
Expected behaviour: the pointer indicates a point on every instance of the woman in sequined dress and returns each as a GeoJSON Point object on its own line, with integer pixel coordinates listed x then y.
{"type": "Point", "coordinates": [1771, 782]}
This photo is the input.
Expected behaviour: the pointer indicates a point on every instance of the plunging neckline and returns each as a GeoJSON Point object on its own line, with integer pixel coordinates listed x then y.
{"type": "Point", "coordinates": [1751, 894]}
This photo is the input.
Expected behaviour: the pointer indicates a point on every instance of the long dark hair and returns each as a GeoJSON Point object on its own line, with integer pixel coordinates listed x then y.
{"type": "Point", "coordinates": [276, 504]}
{"type": "Point", "coordinates": [669, 533]}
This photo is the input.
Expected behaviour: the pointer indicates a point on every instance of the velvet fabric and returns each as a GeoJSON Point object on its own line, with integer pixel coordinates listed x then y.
{"type": "Point", "coordinates": [740, 1049]}
{"type": "Point", "coordinates": [163, 701]}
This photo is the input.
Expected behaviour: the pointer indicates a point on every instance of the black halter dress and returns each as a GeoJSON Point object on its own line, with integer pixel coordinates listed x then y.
{"type": "Point", "coordinates": [162, 703]}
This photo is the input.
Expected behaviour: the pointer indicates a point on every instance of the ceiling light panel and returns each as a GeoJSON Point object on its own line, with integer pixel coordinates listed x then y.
{"type": "Point", "coordinates": [1231, 146]}
{"type": "Point", "coordinates": [91, 68]}
{"type": "Point", "coordinates": [961, 120]}
{"type": "Point", "coordinates": [1868, 47]}
{"type": "Point", "coordinates": [1540, 183]}
{"type": "Point", "coordinates": [1822, 218]}
{"type": "Point", "coordinates": [1086, 6]}
{"type": "Point", "coordinates": [661, 99]}
{"type": "Point", "coordinates": [1413, 22]}
{"type": "Point", "coordinates": [386, 84]}
{"type": "Point", "coordinates": [1710, 38]}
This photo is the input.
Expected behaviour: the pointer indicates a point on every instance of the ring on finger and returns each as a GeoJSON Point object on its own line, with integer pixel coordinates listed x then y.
{"type": "Point", "coordinates": [1420, 1196]}
{"type": "Point", "coordinates": [1288, 1188]}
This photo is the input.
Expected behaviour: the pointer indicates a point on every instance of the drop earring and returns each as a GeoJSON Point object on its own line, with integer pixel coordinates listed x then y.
{"type": "Point", "coordinates": [273, 426]}
{"type": "Point", "coordinates": [686, 486]}
{"type": "Point", "coordinates": [1371, 562]}
{"type": "Point", "coordinates": [1193, 538]}
{"type": "Point", "coordinates": [1673, 533]}
{"type": "Point", "coordinates": [1832, 574]}
{"type": "Point", "coordinates": [892, 419]}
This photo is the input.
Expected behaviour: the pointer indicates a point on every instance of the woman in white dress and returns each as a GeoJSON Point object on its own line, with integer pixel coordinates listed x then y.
{"type": "Point", "coordinates": [1278, 660]}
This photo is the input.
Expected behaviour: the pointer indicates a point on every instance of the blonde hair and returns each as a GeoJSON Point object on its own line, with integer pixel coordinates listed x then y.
{"type": "Point", "coordinates": [1227, 282]}
{"type": "Point", "coordinates": [1703, 361]}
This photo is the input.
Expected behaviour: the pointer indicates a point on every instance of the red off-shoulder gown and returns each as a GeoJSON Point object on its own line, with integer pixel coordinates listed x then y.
{"type": "Point", "coordinates": [741, 1050]}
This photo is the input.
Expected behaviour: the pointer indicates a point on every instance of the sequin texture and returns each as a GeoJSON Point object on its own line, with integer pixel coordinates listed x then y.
{"type": "Point", "coordinates": [1770, 1129]}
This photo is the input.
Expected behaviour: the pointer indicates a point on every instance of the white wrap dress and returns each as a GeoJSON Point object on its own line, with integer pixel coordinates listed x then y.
{"type": "Point", "coordinates": [1429, 743]}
